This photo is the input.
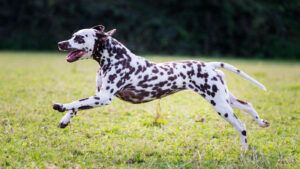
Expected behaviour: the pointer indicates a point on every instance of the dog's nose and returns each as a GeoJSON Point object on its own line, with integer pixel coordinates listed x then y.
{"type": "Point", "coordinates": [63, 45]}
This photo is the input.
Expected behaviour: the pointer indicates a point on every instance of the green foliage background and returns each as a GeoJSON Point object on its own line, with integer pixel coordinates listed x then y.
{"type": "Point", "coordinates": [256, 28]}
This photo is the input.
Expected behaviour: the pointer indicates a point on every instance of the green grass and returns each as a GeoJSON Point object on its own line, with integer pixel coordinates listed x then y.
{"type": "Point", "coordinates": [189, 134]}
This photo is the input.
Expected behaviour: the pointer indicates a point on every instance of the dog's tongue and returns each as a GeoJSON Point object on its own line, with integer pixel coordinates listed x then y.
{"type": "Point", "coordinates": [74, 55]}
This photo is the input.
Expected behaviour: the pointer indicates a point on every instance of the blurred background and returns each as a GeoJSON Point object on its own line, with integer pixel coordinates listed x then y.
{"type": "Point", "coordinates": [180, 131]}
{"type": "Point", "coordinates": [235, 28]}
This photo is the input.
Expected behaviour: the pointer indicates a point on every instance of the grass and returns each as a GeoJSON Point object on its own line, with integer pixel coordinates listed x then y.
{"type": "Point", "coordinates": [187, 134]}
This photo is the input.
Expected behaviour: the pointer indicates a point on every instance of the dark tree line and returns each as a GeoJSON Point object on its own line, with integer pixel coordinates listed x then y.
{"type": "Point", "coordinates": [252, 28]}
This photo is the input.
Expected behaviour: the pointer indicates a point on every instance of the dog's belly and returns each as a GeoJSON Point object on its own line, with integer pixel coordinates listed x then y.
{"type": "Point", "coordinates": [136, 96]}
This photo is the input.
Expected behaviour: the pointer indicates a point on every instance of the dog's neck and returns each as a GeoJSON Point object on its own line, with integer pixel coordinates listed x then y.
{"type": "Point", "coordinates": [109, 51]}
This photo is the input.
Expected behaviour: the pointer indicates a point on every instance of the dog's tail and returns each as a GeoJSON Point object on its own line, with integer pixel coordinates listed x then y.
{"type": "Point", "coordinates": [233, 69]}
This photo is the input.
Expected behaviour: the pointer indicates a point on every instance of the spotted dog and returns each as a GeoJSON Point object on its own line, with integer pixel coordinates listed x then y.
{"type": "Point", "coordinates": [137, 80]}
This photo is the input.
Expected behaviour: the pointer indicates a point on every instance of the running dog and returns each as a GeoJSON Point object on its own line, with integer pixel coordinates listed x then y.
{"type": "Point", "coordinates": [134, 79]}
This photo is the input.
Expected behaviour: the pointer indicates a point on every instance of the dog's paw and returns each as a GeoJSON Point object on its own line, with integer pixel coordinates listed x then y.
{"type": "Point", "coordinates": [264, 123]}
{"type": "Point", "coordinates": [59, 107]}
{"type": "Point", "coordinates": [63, 125]}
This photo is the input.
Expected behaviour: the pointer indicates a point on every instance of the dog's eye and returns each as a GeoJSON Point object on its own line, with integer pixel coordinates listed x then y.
{"type": "Point", "coordinates": [79, 39]}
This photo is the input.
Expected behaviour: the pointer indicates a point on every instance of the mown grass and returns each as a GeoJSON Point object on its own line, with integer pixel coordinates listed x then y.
{"type": "Point", "coordinates": [189, 134]}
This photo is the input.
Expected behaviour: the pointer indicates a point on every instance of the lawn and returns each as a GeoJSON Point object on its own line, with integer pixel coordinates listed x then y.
{"type": "Point", "coordinates": [188, 134]}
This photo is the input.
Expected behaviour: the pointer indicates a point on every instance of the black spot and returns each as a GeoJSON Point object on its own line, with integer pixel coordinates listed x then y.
{"type": "Point", "coordinates": [214, 88]}
{"type": "Point", "coordinates": [238, 71]}
{"type": "Point", "coordinates": [111, 79]}
{"type": "Point", "coordinates": [171, 78]}
{"type": "Point", "coordinates": [222, 64]}
{"type": "Point", "coordinates": [97, 103]}
{"type": "Point", "coordinates": [244, 133]}
{"type": "Point", "coordinates": [118, 71]}
{"type": "Point", "coordinates": [234, 115]}
{"type": "Point", "coordinates": [241, 101]}
{"type": "Point", "coordinates": [155, 70]}
{"type": "Point", "coordinates": [214, 79]}
{"type": "Point", "coordinates": [161, 84]}
{"type": "Point", "coordinates": [97, 98]}
{"type": "Point", "coordinates": [120, 82]}
{"type": "Point", "coordinates": [219, 113]}
{"type": "Point", "coordinates": [182, 75]}
{"type": "Point", "coordinates": [139, 69]}
{"type": "Point", "coordinates": [85, 107]}
{"type": "Point", "coordinates": [226, 115]}
{"type": "Point", "coordinates": [220, 77]}
{"type": "Point", "coordinates": [83, 99]}
{"type": "Point", "coordinates": [213, 102]}
{"type": "Point", "coordinates": [245, 140]}
{"type": "Point", "coordinates": [206, 86]}
{"type": "Point", "coordinates": [79, 39]}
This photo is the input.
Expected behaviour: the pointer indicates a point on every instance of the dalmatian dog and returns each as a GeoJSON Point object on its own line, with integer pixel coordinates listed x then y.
{"type": "Point", "coordinates": [134, 79]}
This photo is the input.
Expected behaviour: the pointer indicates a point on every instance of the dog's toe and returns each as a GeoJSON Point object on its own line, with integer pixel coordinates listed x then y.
{"type": "Point", "coordinates": [264, 123]}
{"type": "Point", "coordinates": [58, 107]}
{"type": "Point", "coordinates": [267, 124]}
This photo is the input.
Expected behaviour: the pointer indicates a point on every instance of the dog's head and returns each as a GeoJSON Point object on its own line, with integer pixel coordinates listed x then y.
{"type": "Point", "coordinates": [82, 44]}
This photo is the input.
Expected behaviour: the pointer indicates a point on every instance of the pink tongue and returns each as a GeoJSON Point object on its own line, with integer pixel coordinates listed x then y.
{"type": "Point", "coordinates": [73, 56]}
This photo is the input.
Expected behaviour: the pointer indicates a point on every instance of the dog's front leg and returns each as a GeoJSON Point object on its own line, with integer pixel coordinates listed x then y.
{"type": "Point", "coordinates": [101, 98]}
{"type": "Point", "coordinates": [66, 119]}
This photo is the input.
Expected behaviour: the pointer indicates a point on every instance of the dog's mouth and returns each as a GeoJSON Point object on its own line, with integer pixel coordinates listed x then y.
{"type": "Point", "coordinates": [74, 55]}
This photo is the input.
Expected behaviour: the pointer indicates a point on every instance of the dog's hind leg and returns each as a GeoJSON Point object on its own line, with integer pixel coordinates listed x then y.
{"type": "Point", "coordinates": [248, 108]}
{"type": "Point", "coordinates": [226, 112]}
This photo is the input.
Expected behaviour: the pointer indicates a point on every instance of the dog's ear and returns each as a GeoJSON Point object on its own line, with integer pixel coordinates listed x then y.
{"type": "Point", "coordinates": [99, 28]}
{"type": "Point", "coordinates": [111, 32]}
{"type": "Point", "coordinates": [104, 35]}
